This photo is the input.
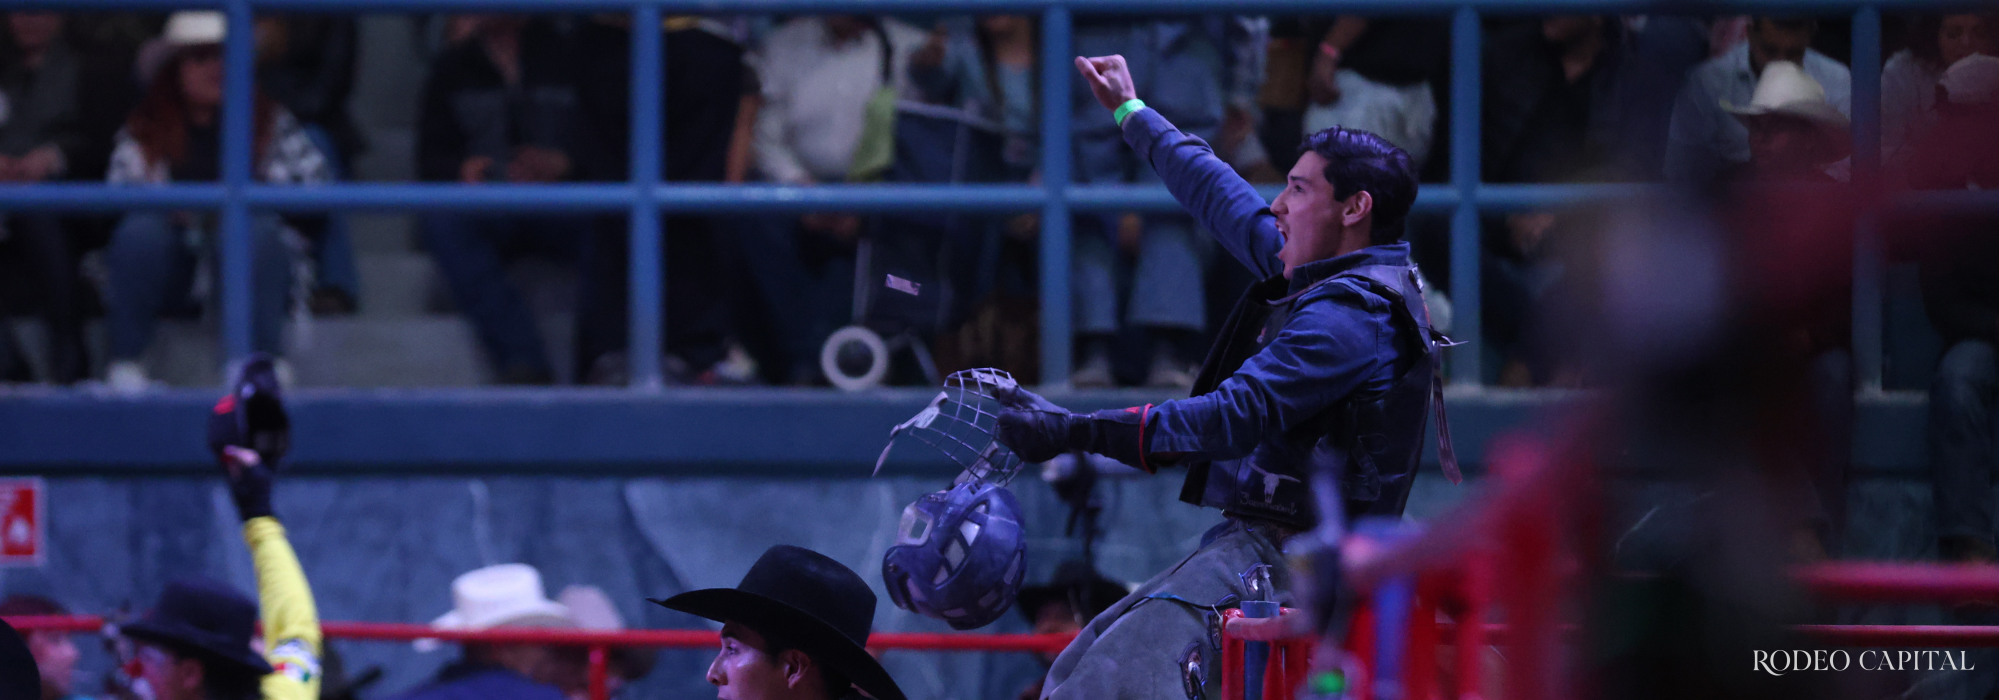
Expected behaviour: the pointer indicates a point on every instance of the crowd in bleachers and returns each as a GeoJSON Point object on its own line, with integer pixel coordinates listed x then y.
{"type": "Point", "coordinates": [134, 99]}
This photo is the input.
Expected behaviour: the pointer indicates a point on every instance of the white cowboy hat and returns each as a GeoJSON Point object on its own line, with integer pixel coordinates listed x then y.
{"type": "Point", "coordinates": [1784, 89]}
{"type": "Point", "coordinates": [1971, 80]}
{"type": "Point", "coordinates": [194, 28]}
{"type": "Point", "coordinates": [506, 595]}
{"type": "Point", "coordinates": [590, 608]}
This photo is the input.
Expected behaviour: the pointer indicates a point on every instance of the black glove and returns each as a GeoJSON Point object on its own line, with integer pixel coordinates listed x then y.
{"type": "Point", "coordinates": [249, 482]}
{"type": "Point", "coordinates": [249, 433]}
{"type": "Point", "coordinates": [1038, 430]}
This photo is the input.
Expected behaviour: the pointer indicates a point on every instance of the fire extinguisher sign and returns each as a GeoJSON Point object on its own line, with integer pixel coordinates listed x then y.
{"type": "Point", "coordinates": [23, 522]}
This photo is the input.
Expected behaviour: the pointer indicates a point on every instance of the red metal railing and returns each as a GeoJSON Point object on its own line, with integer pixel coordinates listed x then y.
{"type": "Point", "coordinates": [600, 641]}
{"type": "Point", "coordinates": [1516, 550]}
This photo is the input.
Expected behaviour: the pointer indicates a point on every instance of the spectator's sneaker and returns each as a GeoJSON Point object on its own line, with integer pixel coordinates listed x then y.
{"type": "Point", "coordinates": [1095, 373]}
{"type": "Point", "coordinates": [737, 368]}
{"type": "Point", "coordinates": [127, 377]}
{"type": "Point", "coordinates": [1169, 372]}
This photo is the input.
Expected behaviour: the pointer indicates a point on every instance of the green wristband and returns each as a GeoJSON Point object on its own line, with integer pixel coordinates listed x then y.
{"type": "Point", "coordinates": [1125, 110]}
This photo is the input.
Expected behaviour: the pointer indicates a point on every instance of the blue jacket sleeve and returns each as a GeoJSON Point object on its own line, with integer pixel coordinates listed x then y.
{"type": "Point", "coordinates": [1224, 203]}
{"type": "Point", "coordinates": [1326, 350]}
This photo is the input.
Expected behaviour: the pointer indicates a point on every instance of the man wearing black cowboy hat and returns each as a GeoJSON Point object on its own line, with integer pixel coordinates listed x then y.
{"type": "Point", "coordinates": [795, 628]}
{"type": "Point", "coordinates": [195, 644]}
{"type": "Point", "coordinates": [1075, 595]}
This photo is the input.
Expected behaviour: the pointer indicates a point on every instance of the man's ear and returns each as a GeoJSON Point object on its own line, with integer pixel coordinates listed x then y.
{"type": "Point", "coordinates": [190, 675]}
{"type": "Point", "coordinates": [1356, 208]}
{"type": "Point", "coordinates": [795, 666]}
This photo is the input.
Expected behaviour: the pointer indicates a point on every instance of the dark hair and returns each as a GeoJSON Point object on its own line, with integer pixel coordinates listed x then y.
{"type": "Point", "coordinates": [29, 604]}
{"type": "Point", "coordinates": [1922, 36]}
{"type": "Point", "coordinates": [160, 124]}
{"type": "Point", "coordinates": [1358, 161]}
{"type": "Point", "coordinates": [837, 684]}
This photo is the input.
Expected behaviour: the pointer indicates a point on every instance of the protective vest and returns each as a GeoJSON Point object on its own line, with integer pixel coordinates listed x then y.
{"type": "Point", "coordinates": [1370, 443]}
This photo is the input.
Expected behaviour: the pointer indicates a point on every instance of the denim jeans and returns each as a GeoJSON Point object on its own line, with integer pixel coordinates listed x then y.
{"type": "Point", "coordinates": [1135, 648]}
{"type": "Point", "coordinates": [333, 258]}
{"type": "Point", "coordinates": [1961, 434]}
{"type": "Point", "coordinates": [472, 252]}
{"type": "Point", "coordinates": [153, 257]}
{"type": "Point", "coordinates": [1182, 80]}
{"type": "Point", "coordinates": [800, 289]}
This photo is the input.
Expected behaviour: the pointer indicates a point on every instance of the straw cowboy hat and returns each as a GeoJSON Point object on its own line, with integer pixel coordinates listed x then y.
{"type": "Point", "coordinates": [1971, 80]}
{"type": "Point", "coordinates": [194, 28]}
{"type": "Point", "coordinates": [1785, 90]}
{"type": "Point", "coordinates": [184, 30]}
{"type": "Point", "coordinates": [506, 595]}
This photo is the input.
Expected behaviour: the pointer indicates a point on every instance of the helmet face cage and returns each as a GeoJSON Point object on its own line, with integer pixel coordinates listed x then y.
{"type": "Point", "coordinates": [959, 555]}
{"type": "Point", "coordinates": [959, 424]}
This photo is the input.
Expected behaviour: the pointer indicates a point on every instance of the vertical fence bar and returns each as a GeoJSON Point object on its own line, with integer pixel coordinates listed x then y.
{"type": "Point", "coordinates": [1465, 257]}
{"type": "Point", "coordinates": [1056, 71]}
{"type": "Point", "coordinates": [600, 658]}
{"type": "Point", "coordinates": [238, 88]}
{"type": "Point", "coordinates": [1867, 263]}
{"type": "Point", "coordinates": [647, 252]}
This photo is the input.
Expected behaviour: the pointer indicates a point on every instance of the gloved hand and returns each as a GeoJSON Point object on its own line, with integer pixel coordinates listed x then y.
{"type": "Point", "coordinates": [1038, 430]}
{"type": "Point", "coordinates": [249, 433]}
{"type": "Point", "coordinates": [249, 482]}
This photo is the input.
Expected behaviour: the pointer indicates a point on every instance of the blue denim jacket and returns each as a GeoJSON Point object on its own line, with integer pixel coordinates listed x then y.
{"type": "Point", "coordinates": [1338, 338]}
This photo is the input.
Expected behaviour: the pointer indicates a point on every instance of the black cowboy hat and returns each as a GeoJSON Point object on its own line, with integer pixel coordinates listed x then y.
{"type": "Point", "coordinates": [809, 600]}
{"type": "Point", "coordinates": [204, 617]}
{"type": "Point", "coordinates": [20, 678]}
{"type": "Point", "coordinates": [252, 414]}
{"type": "Point", "coordinates": [1076, 583]}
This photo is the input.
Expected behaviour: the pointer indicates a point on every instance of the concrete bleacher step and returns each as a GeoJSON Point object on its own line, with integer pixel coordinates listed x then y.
{"type": "Point", "coordinates": [388, 352]}
{"type": "Point", "coordinates": [430, 350]}
{"type": "Point", "coordinates": [397, 285]}
{"type": "Point", "coordinates": [354, 351]}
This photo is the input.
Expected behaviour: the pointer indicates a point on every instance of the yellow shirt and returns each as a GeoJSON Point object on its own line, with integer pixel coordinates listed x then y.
{"type": "Point", "coordinates": [292, 640]}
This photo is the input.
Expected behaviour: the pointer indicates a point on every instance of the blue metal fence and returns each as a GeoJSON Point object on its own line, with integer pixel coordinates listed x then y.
{"type": "Point", "coordinates": [645, 197]}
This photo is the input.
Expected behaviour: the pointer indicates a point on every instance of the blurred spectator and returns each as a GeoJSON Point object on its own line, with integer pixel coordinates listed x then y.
{"type": "Point", "coordinates": [1651, 55]}
{"type": "Point", "coordinates": [823, 78]}
{"type": "Point", "coordinates": [306, 63]}
{"type": "Point", "coordinates": [55, 652]}
{"type": "Point", "coordinates": [1909, 80]}
{"type": "Point", "coordinates": [1703, 139]}
{"type": "Point", "coordinates": [1960, 278]}
{"type": "Point", "coordinates": [1203, 75]}
{"type": "Point", "coordinates": [1070, 599]}
{"type": "Point", "coordinates": [506, 595]}
{"type": "Point", "coordinates": [705, 80]}
{"type": "Point", "coordinates": [54, 127]}
{"type": "Point", "coordinates": [174, 136]}
{"type": "Point", "coordinates": [1008, 46]}
{"type": "Point", "coordinates": [1795, 135]}
{"type": "Point", "coordinates": [1376, 75]}
{"type": "Point", "coordinates": [1547, 79]}
{"type": "Point", "coordinates": [501, 108]}
{"type": "Point", "coordinates": [569, 667]}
